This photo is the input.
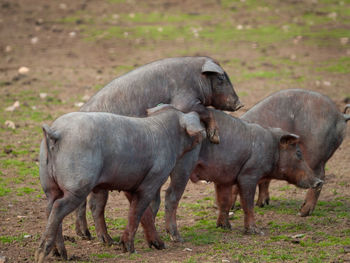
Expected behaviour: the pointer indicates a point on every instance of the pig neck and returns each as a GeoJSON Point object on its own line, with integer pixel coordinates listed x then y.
{"type": "Point", "coordinates": [168, 123]}
{"type": "Point", "coordinates": [205, 90]}
{"type": "Point", "coordinates": [276, 174]}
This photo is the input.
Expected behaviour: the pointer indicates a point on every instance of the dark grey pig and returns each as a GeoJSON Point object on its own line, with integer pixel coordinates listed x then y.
{"type": "Point", "coordinates": [188, 83]}
{"type": "Point", "coordinates": [318, 122]}
{"type": "Point", "coordinates": [247, 154]}
{"type": "Point", "coordinates": [90, 152]}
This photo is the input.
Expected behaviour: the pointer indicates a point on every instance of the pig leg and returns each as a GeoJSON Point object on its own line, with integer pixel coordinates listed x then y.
{"type": "Point", "coordinates": [155, 204]}
{"type": "Point", "coordinates": [81, 227]}
{"type": "Point", "coordinates": [59, 209]}
{"type": "Point", "coordinates": [148, 224]}
{"type": "Point", "coordinates": [60, 250]}
{"type": "Point", "coordinates": [264, 196]}
{"type": "Point", "coordinates": [179, 179]}
{"type": "Point", "coordinates": [140, 201]}
{"type": "Point", "coordinates": [247, 187]}
{"type": "Point", "coordinates": [97, 203]}
{"type": "Point", "coordinates": [224, 202]}
{"type": "Point", "coordinates": [235, 192]}
{"type": "Point", "coordinates": [312, 195]}
{"type": "Point", "coordinates": [205, 115]}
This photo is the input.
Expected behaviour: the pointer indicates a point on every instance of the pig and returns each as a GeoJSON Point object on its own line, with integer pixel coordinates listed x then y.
{"type": "Point", "coordinates": [247, 154]}
{"type": "Point", "coordinates": [318, 122]}
{"type": "Point", "coordinates": [188, 83]}
{"type": "Point", "coordinates": [89, 152]}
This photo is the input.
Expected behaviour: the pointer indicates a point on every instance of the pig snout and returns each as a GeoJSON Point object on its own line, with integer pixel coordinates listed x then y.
{"type": "Point", "coordinates": [309, 181]}
{"type": "Point", "coordinates": [239, 105]}
{"type": "Point", "coordinates": [230, 103]}
{"type": "Point", "coordinates": [317, 184]}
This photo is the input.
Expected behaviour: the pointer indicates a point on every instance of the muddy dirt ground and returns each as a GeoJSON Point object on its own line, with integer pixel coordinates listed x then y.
{"type": "Point", "coordinates": [55, 54]}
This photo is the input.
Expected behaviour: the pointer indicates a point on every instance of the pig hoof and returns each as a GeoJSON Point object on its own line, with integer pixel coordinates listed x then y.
{"type": "Point", "coordinates": [305, 212]}
{"type": "Point", "coordinates": [176, 238]}
{"type": "Point", "coordinates": [127, 247]}
{"type": "Point", "coordinates": [254, 231]}
{"type": "Point", "coordinates": [55, 253]}
{"type": "Point", "coordinates": [226, 225]}
{"type": "Point", "coordinates": [106, 239]}
{"type": "Point", "coordinates": [213, 136]}
{"type": "Point", "coordinates": [60, 253]}
{"type": "Point", "coordinates": [235, 207]}
{"type": "Point", "coordinates": [157, 244]}
{"type": "Point", "coordinates": [39, 256]}
{"type": "Point", "coordinates": [86, 235]}
{"type": "Point", "coordinates": [262, 203]}
{"type": "Point", "coordinates": [307, 209]}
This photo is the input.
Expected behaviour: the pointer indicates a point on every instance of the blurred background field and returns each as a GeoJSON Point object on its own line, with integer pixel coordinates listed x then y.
{"type": "Point", "coordinates": [54, 55]}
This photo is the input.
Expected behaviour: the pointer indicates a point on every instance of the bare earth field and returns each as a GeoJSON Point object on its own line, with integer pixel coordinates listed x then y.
{"type": "Point", "coordinates": [73, 48]}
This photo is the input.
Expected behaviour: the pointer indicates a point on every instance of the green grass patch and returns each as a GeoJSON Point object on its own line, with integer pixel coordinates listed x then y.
{"type": "Point", "coordinates": [4, 190]}
{"type": "Point", "coordinates": [103, 255]}
{"type": "Point", "coordinates": [22, 168]}
{"type": "Point", "coordinates": [203, 232]}
{"type": "Point", "coordinates": [164, 18]}
{"type": "Point", "coordinates": [24, 190]}
{"type": "Point", "coordinates": [118, 223]}
{"type": "Point", "coordinates": [342, 65]}
{"type": "Point", "coordinates": [11, 239]}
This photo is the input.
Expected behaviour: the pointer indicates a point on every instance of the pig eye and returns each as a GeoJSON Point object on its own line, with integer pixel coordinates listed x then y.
{"type": "Point", "coordinates": [299, 155]}
{"type": "Point", "coordinates": [221, 78]}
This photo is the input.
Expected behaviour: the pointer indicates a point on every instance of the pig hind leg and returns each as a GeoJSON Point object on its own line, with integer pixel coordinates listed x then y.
{"type": "Point", "coordinates": [224, 201]}
{"type": "Point", "coordinates": [97, 204]}
{"type": "Point", "coordinates": [312, 195]}
{"type": "Point", "coordinates": [57, 211]}
{"type": "Point", "coordinates": [81, 227]}
{"type": "Point", "coordinates": [264, 196]}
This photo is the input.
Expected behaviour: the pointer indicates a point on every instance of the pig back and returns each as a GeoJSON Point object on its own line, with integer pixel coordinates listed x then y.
{"type": "Point", "coordinates": [147, 86]}
{"type": "Point", "coordinates": [222, 162]}
{"type": "Point", "coordinates": [311, 115]}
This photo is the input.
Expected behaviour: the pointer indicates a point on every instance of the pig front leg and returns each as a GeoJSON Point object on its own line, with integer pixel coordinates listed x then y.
{"type": "Point", "coordinates": [205, 116]}
{"type": "Point", "coordinates": [312, 195]}
{"type": "Point", "coordinates": [247, 187]}
{"type": "Point", "coordinates": [224, 202]}
{"type": "Point", "coordinates": [148, 224]}
{"type": "Point", "coordinates": [139, 202]}
{"type": "Point", "coordinates": [264, 196]}
{"type": "Point", "coordinates": [97, 204]}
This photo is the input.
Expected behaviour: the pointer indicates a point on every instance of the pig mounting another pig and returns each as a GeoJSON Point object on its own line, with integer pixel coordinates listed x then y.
{"type": "Point", "coordinates": [319, 124]}
{"type": "Point", "coordinates": [188, 83]}
{"type": "Point", "coordinates": [92, 152]}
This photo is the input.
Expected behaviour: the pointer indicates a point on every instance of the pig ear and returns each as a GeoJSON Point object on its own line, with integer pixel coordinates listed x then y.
{"type": "Point", "coordinates": [211, 66]}
{"type": "Point", "coordinates": [191, 123]}
{"type": "Point", "coordinates": [289, 139]}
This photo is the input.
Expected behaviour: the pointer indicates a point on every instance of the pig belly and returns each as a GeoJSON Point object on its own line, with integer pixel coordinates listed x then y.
{"type": "Point", "coordinates": [122, 177]}
{"type": "Point", "coordinates": [215, 173]}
